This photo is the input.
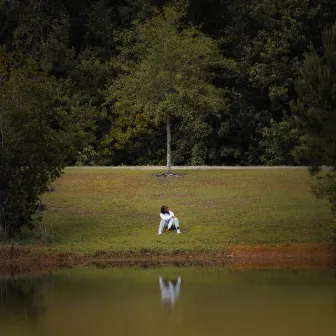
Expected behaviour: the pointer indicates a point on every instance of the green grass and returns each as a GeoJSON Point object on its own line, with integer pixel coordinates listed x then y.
{"type": "Point", "coordinates": [95, 210]}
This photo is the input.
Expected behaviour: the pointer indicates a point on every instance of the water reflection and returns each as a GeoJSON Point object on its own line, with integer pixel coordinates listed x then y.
{"type": "Point", "coordinates": [124, 301]}
{"type": "Point", "coordinates": [23, 297]}
{"type": "Point", "coordinates": [170, 291]}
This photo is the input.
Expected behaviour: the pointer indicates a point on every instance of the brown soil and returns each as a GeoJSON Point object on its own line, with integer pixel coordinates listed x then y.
{"type": "Point", "coordinates": [290, 256]}
{"type": "Point", "coordinates": [293, 256]}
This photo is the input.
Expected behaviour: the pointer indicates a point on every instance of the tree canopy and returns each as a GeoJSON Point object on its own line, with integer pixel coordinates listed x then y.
{"type": "Point", "coordinates": [173, 75]}
{"type": "Point", "coordinates": [39, 131]}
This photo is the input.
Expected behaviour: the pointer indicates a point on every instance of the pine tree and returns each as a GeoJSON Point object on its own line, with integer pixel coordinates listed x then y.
{"type": "Point", "coordinates": [315, 113]}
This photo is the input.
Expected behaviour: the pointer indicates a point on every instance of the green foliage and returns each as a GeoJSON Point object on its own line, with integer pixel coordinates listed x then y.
{"type": "Point", "coordinates": [267, 39]}
{"type": "Point", "coordinates": [314, 110]}
{"type": "Point", "coordinates": [315, 114]}
{"type": "Point", "coordinates": [325, 186]}
{"type": "Point", "coordinates": [86, 157]}
{"type": "Point", "coordinates": [42, 33]}
{"type": "Point", "coordinates": [279, 141]}
{"type": "Point", "coordinates": [239, 131]}
{"type": "Point", "coordinates": [87, 44]}
{"type": "Point", "coordinates": [134, 139]}
{"type": "Point", "coordinates": [192, 141]}
{"type": "Point", "coordinates": [110, 24]}
{"type": "Point", "coordinates": [39, 133]}
{"type": "Point", "coordinates": [172, 77]}
{"type": "Point", "coordinates": [6, 61]}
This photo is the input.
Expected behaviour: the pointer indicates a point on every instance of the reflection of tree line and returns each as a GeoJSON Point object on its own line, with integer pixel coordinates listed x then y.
{"type": "Point", "coordinates": [23, 298]}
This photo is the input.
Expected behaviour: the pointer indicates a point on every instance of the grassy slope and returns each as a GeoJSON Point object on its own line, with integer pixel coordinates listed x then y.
{"type": "Point", "coordinates": [99, 210]}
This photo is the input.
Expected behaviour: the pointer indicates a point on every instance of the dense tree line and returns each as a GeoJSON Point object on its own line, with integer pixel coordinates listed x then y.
{"type": "Point", "coordinates": [100, 78]}
{"type": "Point", "coordinates": [85, 45]}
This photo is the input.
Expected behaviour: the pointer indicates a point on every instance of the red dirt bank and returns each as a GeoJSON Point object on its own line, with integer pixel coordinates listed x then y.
{"type": "Point", "coordinates": [289, 256]}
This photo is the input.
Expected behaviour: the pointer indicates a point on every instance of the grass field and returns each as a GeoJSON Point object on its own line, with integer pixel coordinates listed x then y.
{"type": "Point", "coordinates": [95, 210]}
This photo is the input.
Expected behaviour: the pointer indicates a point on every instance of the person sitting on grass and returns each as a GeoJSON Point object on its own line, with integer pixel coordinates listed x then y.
{"type": "Point", "coordinates": [168, 221]}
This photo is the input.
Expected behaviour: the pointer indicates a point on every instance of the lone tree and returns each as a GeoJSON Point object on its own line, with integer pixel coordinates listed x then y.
{"type": "Point", "coordinates": [315, 113]}
{"type": "Point", "coordinates": [173, 74]}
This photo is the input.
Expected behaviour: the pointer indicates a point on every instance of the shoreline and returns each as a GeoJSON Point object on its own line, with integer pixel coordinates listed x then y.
{"type": "Point", "coordinates": [20, 259]}
{"type": "Point", "coordinates": [163, 168]}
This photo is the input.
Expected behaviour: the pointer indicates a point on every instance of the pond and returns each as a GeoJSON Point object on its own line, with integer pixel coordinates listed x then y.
{"type": "Point", "coordinates": [168, 301]}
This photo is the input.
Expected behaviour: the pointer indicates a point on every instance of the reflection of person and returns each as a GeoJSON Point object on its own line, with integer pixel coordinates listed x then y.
{"type": "Point", "coordinates": [168, 220]}
{"type": "Point", "coordinates": [170, 291]}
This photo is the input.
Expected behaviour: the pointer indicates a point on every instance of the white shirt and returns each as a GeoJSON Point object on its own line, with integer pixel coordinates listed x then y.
{"type": "Point", "coordinates": [167, 216]}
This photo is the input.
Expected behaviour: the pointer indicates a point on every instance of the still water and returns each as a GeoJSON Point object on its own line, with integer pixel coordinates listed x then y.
{"type": "Point", "coordinates": [169, 301]}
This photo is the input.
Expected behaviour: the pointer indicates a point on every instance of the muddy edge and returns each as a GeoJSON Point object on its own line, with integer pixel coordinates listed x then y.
{"type": "Point", "coordinates": [22, 260]}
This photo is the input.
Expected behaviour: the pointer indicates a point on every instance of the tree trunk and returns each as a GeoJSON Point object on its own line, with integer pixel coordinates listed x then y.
{"type": "Point", "coordinates": [168, 168]}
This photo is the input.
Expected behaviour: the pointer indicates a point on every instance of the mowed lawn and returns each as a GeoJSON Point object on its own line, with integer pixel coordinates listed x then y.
{"type": "Point", "coordinates": [118, 210]}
